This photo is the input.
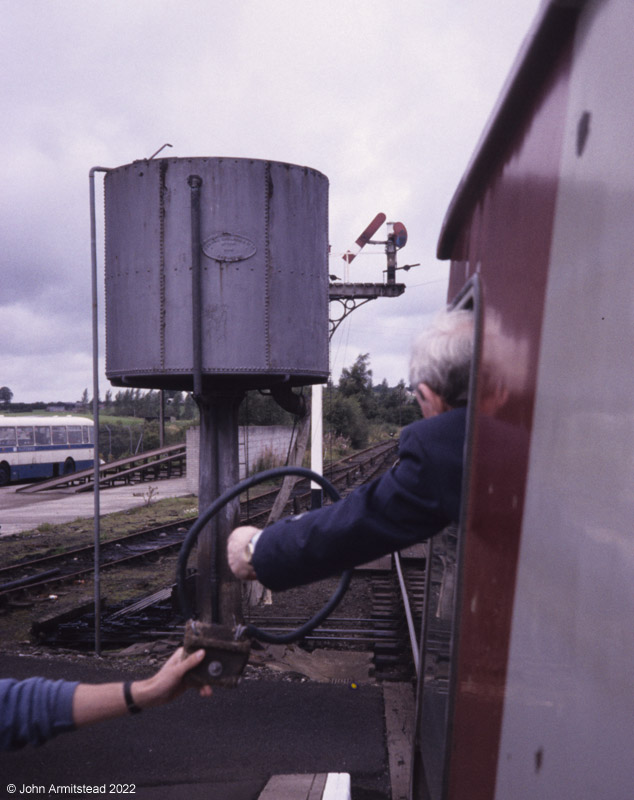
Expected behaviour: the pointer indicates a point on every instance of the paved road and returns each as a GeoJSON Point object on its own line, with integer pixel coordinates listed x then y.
{"type": "Point", "coordinates": [23, 512]}
{"type": "Point", "coordinates": [224, 748]}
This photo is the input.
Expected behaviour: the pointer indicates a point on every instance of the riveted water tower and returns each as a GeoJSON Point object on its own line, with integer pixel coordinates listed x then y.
{"type": "Point", "coordinates": [216, 282]}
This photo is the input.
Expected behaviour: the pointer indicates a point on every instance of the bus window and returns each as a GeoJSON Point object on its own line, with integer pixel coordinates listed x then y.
{"type": "Point", "coordinates": [7, 437]}
{"type": "Point", "coordinates": [42, 435]}
{"type": "Point", "coordinates": [59, 434]}
{"type": "Point", "coordinates": [87, 433]}
{"type": "Point", "coordinates": [25, 436]}
{"type": "Point", "coordinates": [74, 434]}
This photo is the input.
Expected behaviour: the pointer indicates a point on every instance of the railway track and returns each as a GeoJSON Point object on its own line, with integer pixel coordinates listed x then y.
{"type": "Point", "coordinates": [387, 608]}
{"type": "Point", "coordinates": [382, 626]}
{"type": "Point", "coordinates": [345, 474]}
{"type": "Point", "coordinates": [379, 625]}
{"type": "Point", "coordinates": [44, 573]}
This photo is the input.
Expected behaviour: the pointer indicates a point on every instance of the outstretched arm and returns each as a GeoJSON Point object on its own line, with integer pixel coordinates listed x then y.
{"type": "Point", "coordinates": [415, 499]}
{"type": "Point", "coordinates": [34, 710]}
{"type": "Point", "coordinates": [97, 702]}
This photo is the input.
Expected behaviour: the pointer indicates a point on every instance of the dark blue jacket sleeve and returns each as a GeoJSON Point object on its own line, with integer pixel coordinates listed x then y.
{"type": "Point", "coordinates": [34, 710]}
{"type": "Point", "coordinates": [418, 497]}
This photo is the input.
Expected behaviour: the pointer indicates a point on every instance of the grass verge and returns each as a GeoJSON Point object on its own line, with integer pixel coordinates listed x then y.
{"type": "Point", "coordinates": [117, 585]}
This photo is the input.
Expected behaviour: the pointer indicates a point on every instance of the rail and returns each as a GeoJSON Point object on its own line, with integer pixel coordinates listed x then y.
{"type": "Point", "coordinates": [34, 575]}
{"type": "Point", "coordinates": [409, 615]}
{"type": "Point", "coordinates": [389, 627]}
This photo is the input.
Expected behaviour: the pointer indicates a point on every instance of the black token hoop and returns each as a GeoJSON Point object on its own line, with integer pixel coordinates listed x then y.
{"type": "Point", "coordinates": [214, 508]}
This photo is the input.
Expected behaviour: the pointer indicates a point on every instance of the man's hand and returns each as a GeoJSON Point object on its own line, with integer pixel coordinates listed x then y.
{"type": "Point", "coordinates": [170, 681]}
{"type": "Point", "coordinates": [97, 702]}
{"type": "Point", "coordinates": [237, 554]}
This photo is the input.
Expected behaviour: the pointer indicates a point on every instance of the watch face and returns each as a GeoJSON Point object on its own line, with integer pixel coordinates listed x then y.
{"type": "Point", "coordinates": [249, 550]}
{"type": "Point", "coordinates": [251, 545]}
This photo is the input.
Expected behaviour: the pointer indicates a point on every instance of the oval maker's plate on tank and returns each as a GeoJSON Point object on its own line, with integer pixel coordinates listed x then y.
{"type": "Point", "coordinates": [229, 247]}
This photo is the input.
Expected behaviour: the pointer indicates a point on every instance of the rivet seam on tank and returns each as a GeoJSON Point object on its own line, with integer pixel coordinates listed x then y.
{"type": "Point", "coordinates": [162, 289]}
{"type": "Point", "coordinates": [583, 132]}
{"type": "Point", "coordinates": [228, 247]}
{"type": "Point", "coordinates": [268, 194]}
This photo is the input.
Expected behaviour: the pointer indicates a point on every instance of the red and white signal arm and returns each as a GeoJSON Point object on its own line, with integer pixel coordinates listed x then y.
{"type": "Point", "coordinates": [365, 237]}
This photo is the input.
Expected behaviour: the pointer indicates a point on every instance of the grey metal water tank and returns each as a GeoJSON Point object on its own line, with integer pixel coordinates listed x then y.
{"type": "Point", "coordinates": [263, 297]}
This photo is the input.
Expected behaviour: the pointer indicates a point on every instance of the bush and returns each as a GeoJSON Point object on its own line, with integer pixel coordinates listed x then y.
{"type": "Point", "coordinates": [344, 417]}
{"type": "Point", "coordinates": [336, 446]}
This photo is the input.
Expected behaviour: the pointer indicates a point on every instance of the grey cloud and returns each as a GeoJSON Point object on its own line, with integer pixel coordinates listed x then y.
{"type": "Point", "coordinates": [387, 102]}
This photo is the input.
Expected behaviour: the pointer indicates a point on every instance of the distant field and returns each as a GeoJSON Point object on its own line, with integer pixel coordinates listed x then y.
{"type": "Point", "coordinates": [112, 419]}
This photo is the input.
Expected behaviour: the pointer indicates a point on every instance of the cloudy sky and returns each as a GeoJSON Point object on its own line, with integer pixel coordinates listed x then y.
{"type": "Point", "coordinates": [386, 97]}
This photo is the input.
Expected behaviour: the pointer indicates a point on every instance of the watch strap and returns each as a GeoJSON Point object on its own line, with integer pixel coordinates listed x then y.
{"type": "Point", "coordinates": [133, 708]}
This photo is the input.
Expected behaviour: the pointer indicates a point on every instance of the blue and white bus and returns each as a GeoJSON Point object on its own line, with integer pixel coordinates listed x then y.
{"type": "Point", "coordinates": [44, 447]}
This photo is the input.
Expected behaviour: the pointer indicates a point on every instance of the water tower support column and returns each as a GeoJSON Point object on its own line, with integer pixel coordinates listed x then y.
{"type": "Point", "coordinates": [218, 593]}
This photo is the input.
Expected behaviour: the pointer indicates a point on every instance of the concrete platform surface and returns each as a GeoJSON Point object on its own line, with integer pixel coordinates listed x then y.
{"type": "Point", "coordinates": [23, 512]}
{"type": "Point", "coordinates": [224, 748]}
{"type": "Point", "coordinates": [323, 786]}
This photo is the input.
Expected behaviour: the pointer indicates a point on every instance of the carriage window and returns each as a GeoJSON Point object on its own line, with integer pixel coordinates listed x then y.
{"type": "Point", "coordinates": [7, 437]}
{"type": "Point", "coordinates": [59, 434]}
{"type": "Point", "coordinates": [87, 433]}
{"type": "Point", "coordinates": [74, 434]}
{"type": "Point", "coordinates": [42, 435]}
{"type": "Point", "coordinates": [25, 437]}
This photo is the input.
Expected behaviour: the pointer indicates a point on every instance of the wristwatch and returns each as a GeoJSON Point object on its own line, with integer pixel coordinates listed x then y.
{"type": "Point", "coordinates": [133, 708]}
{"type": "Point", "coordinates": [249, 550]}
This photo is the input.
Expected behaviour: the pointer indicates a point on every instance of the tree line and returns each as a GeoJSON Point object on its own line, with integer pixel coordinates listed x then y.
{"type": "Point", "coordinates": [146, 404]}
{"type": "Point", "coordinates": [358, 410]}
{"type": "Point", "coordinates": [355, 411]}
